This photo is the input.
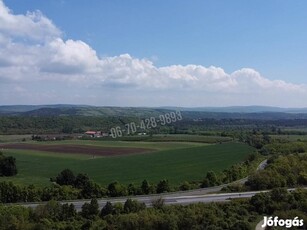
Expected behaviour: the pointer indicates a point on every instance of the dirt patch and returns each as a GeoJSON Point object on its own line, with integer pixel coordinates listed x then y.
{"type": "Point", "coordinates": [78, 149]}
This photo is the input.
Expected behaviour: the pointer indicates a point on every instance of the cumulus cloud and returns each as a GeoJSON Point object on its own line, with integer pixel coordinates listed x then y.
{"type": "Point", "coordinates": [69, 57]}
{"type": "Point", "coordinates": [36, 60]}
{"type": "Point", "coordinates": [33, 25]}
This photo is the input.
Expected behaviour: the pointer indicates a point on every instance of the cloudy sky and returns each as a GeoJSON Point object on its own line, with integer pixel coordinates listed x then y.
{"type": "Point", "coordinates": [153, 53]}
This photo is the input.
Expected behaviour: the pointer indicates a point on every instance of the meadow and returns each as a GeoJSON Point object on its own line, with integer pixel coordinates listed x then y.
{"type": "Point", "coordinates": [175, 161]}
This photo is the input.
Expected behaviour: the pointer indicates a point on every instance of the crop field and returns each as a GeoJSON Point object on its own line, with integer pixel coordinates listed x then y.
{"type": "Point", "coordinates": [77, 149]}
{"type": "Point", "coordinates": [175, 161]}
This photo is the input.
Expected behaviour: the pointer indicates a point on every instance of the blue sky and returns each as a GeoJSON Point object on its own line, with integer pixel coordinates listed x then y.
{"type": "Point", "coordinates": [225, 52]}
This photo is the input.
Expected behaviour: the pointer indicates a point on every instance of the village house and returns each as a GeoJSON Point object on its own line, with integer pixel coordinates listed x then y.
{"type": "Point", "coordinates": [96, 134]}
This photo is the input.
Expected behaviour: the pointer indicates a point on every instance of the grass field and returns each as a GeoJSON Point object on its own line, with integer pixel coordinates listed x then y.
{"type": "Point", "coordinates": [290, 137]}
{"type": "Point", "coordinates": [170, 160]}
{"type": "Point", "coordinates": [14, 138]}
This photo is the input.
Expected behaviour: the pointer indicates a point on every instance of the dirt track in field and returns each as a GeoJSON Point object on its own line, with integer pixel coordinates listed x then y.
{"type": "Point", "coordinates": [78, 149]}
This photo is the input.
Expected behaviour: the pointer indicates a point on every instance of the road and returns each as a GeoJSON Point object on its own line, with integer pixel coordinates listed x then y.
{"type": "Point", "coordinates": [168, 199]}
{"type": "Point", "coordinates": [258, 226]}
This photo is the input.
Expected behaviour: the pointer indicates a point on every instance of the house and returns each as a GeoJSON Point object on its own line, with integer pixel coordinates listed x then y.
{"type": "Point", "coordinates": [93, 133]}
{"type": "Point", "coordinates": [96, 134]}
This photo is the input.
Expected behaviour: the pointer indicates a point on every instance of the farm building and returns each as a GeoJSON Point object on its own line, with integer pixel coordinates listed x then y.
{"type": "Point", "coordinates": [96, 134]}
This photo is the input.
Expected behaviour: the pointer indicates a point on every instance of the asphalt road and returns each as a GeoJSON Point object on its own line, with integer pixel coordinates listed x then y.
{"type": "Point", "coordinates": [168, 199]}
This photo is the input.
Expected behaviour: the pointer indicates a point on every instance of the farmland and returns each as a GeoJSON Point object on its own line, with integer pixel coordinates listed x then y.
{"type": "Point", "coordinates": [175, 161]}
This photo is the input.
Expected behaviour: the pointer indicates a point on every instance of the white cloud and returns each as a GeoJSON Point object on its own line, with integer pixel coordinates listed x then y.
{"type": "Point", "coordinates": [33, 25]}
{"type": "Point", "coordinates": [32, 50]}
{"type": "Point", "coordinates": [251, 79]}
{"type": "Point", "coordinates": [69, 57]}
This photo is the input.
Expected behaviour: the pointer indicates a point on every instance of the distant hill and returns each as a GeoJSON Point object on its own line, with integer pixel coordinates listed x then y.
{"type": "Point", "coordinates": [15, 109]}
{"type": "Point", "coordinates": [77, 110]}
{"type": "Point", "coordinates": [242, 109]}
{"type": "Point", "coordinates": [232, 112]}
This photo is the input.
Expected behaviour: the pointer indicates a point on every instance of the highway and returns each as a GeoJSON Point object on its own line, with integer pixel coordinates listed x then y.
{"type": "Point", "coordinates": [168, 199]}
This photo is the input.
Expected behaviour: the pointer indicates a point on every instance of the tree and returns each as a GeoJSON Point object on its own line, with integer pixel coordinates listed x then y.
{"type": "Point", "coordinates": [10, 193]}
{"type": "Point", "coordinates": [107, 209]}
{"type": "Point", "coordinates": [133, 206]}
{"type": "Point", "coordinates": [82, 180]}
{"type": "Point", "coordinates": [185, 186]}
{"type": "Point", "coordinates": [51, 210]}
{"type": "Point", "coordinates": [145, 187]}
{"type": "Point", "coordinates": [90, 210]}
{"type": "Point", "coordinates": [302, 179]}
{"type": "Point", "coordinates": [210, 180]}
{"type": "Point", "coordinates": [116, 189]}
{"type": "Point", "coordinates": [92, 190]}
{"type": "Point", "coordinates": [8, 166]}
{"type": "Point", "coordinates": [241, 225]}
{"type": "Point", "coordinates": [158, 203]}
{"type": "Point", "coordinates": [66, 177]}
{"type": "Point", "coordinates": [68, 212]}
{"type": "Point", "coordinates": [163, 186]}
{"type": "Point", "coordinates": [32, 194]}
{"type": "Point", "coordinates": [132, 190]}
{"type": "Point", "coordinates": [261, 203]}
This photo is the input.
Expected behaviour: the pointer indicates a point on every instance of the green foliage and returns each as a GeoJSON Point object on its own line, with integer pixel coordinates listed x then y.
{"type": "Point", "coordinates": [107, 209]}
{"type": "Point", "coordinates": [133, 206]}
{"type": "Point", "coordinates": [66, 177]}
{"type": "Point", "coordinates": [145, 187]}
{"type": "Point", "coordinates": [90, 210]}
{"type": "Point", "coordinates": [51, 210]}
{"type": "Point", "coordinates": [185, 186]}
{"type": "Point", "coordinates": [10, 193]}
{"type": "Point", "coordinates": [236, 214]}
{"type": "Point", "coordinates": [81, 181]}
{"type": "Point", "coordinates": [93, 189]}
{"type": "Point", "coordinates": [289, 170]}
{"type": "Point", "coordinates": [68, 212]}
{"type": "Point", "coordinates": [14, 217]}
{"type": "Point", "coordinates": [89, 189]}
{"type": "Point", "coordinates": [285, 148]}
{"type": "Point", "coordinates": [257, 140]}
{"type": "Point", "coordinates": [7, 165]}
{"type": "Point", "coordinates": [116, 189]}
{"type": "Point", "coordinates": [163, 186]}
{"type": "Point", "coordinates": [210, 180]}
{"type": "Point", "coordinates": [278, 199]}
{"type": "Point", "coordinates": [158, 203]}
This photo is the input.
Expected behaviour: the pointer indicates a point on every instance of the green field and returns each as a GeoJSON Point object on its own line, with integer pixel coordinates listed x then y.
{"type": "Point", "coordinates": [14, 138]}
{"type": "Point", "coordinates": [290, 137]}
{"type": "Point", "coordinates": [175, 137]}
{"type": "Point", "coordinates": [174, 161]}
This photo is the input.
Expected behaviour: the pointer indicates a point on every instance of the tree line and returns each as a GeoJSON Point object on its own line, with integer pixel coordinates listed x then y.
{"type": "Point", "coordinates": [193, 123]}
{"type": "Point", "coordinates": [240, 214]}
{"type": "Point", "coordinates": [282, 171]}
